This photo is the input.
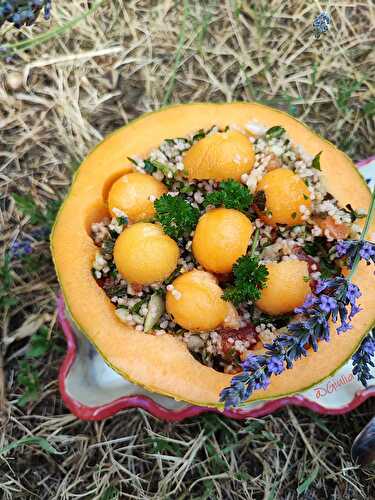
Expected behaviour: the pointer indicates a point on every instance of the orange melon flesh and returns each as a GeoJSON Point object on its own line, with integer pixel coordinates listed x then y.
{"type": "Point", "coordinates": [163, 364]}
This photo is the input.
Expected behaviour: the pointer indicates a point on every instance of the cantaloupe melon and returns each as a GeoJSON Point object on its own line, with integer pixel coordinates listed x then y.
{"type": "Point", "coordinates": [163, 364]}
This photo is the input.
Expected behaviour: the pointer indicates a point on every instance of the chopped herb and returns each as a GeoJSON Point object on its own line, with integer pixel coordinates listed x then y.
{"type": "Point", "coordinates": [260, 200]}
{"type": "Point", "coordinates": [122, 220]}
{"type": "Point", "coordinates": [187, 189]}
{"type": "Point", "coordinates": [149, 167]}
{"type": "Point", "coordinates": [176, 215]}
{"type": "Point", "coordinates": [231, 194]}
{"type": "Point", "coordinates": [133, 161]}
{"type": "Point", "coordinates": [137, 307]}
{"type": "Point", "coordinates": [115, 290]}
{"type": "Point", "coordinates": [108, 245]}
{"type": "Point", "coordinates": [305, 197]}
{"type": "Point", "coordinates": [201, 134]}
{"type": "Point", "coordinates": [172, 276]}
{"type": "Point", "coordinates": [306, 279]}
{"type": "Point", "coordinates": [275, 132]}
{"type": "Point", "coordinates": [294, 215]}
{"type": "Point", "coordinates": [161, 166]}
{"type": "Point", "coordinates": [354, 215]}
{"type": "Point", "coordinates": [327, 267]}
{"type": "Point", "coordinates": [316, 162]}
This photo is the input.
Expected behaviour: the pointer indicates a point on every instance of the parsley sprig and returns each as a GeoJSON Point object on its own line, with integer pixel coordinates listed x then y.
{"type": "Point", "coordinates": [231, 194]}
{"type": "Point", "coordinates": [250, 278]}
{"type": "Point", "coordinates": [176, 215]}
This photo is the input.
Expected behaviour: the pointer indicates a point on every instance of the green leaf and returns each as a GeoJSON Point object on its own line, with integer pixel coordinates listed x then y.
{"type": "Point", "coordinates": [275, 132]}
{"type": "Point", "coordinates": [345, 90]}
{"type": "Point", "coordinates": [303, 487]}
{"type": "Point", "coordinates": [39, 343]}
{"type": "Point", "coordinates": [232, 194]}
{"type": "Point", "coordinates": [316, 162]}
{"type": "Point", "coordinates": [29, 441]}
{"type": "Point", "coordinates": [369, 108]}
{"type": "Point", "coordinates": [137, 307]}
{"type": "Point", "coordinates": [28, 377]}
{"type": "Point", "coordinates": [111, 493]}
{"type": "Point", "coordinates": [6, 282]}
{"type": "Point", "coordinates": [27, 206]}
{"type": "Point", "coordinates": [176, 215]}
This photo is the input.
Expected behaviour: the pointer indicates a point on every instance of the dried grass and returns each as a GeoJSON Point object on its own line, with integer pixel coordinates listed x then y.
{"type": "Point", "coordinates": [57, 101]}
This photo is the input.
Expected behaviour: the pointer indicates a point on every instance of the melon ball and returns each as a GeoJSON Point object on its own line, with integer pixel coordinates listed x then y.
{"type": "Point", "coordinates": [194, 301]}
{"type": "Point", "coordinates": [224, 155]}
{"type": "Point", "coordinates": [144, 254]}
{"type": "Point", "coordinates": [287, 196]}
{"type": "Point", "coordinates": [135, 194]}
{"type": "Point", "coordinates": [221, 237]}
{"type": "Point", "coordinates": [286, 288]}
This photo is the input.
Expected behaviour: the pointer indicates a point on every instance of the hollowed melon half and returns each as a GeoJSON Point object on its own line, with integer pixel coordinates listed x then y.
{"type": "Point", "coordinates": [163, 364]}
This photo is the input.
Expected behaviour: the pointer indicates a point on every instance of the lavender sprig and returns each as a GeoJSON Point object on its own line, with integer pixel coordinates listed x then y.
{"type": "Point", "coordinates": [363, 359]}
{"type": "Point", "coordinates": [321, 24]}
{"type": "Point", "coordinates": [331, 301]}
{"type": "Point", "coordinates": [23, 12]}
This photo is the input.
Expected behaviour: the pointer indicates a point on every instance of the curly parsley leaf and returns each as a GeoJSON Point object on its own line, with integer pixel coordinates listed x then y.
{"type": "Point", "coordinates": [231, 194]}
{"type": "Point", "coordinates": [176, 215]}
{"type": "Point", "coordinates": [250, 278]}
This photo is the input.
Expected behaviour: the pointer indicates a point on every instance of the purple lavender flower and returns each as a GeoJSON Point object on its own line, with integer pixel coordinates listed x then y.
{"type": "Point", "coordinates": [310, 301]}
{"type": "Point", "coordinates": [367, 252]}
{"type": "Point", "coordinates": [343, 247]}
{"type": "Point", "coordinates": [20, 248]}
{"type": "Point", "coordinates": [344, 327]}
{"type": "Point", "coordinates": [362, 359]}
{"type": "Point", "coordinates": [327, 304]}
{"type": "Point", "coordinates": [350, 248]}
{"type": "Point", "coordinates": [24, 12]}
{"type": "Point", "coordinates": [252, 363]}
{"type": "Point", "coordinates": [321, 24]}
{"type": "Point", "coordinates": [275, 365]}
{"type": "Point", "coordinates": [353, 293]}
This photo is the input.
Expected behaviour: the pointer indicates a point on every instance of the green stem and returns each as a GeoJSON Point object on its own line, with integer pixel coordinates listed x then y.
{"type": "Point", "coordinates": [366, 227]}
{"type": "Point", "coordinates": [179, 51]}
